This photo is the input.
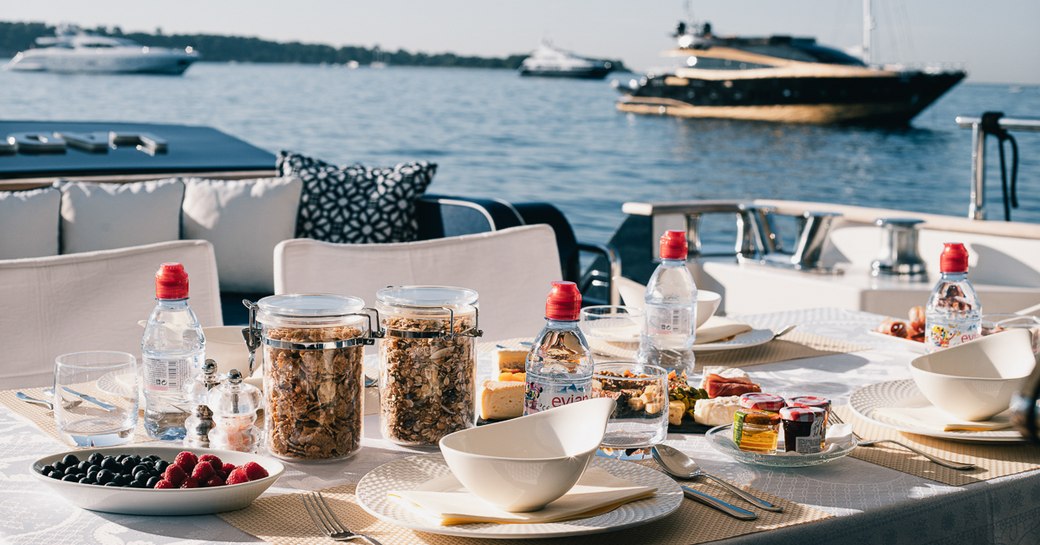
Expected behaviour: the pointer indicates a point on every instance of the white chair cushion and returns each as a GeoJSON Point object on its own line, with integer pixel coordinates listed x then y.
{"type": "Point", "coordinates": [101, 216]}
{"type": "Point", "coordinates": [244, 219]}
{"type": "Point", "coordinates": [512, 271]}
{"type": "Point", "coordinates": [29, 222]}
{"type": "Point", "coordinates": [90, 301]}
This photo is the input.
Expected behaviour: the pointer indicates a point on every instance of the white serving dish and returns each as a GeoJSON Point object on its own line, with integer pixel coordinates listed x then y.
{"type": "Point", "coordinates": [525, 463]}
{"type": "Point", "coordinates": [707, 303]}
{"type": "Point", "coordinates": [146, 501]}
{"type": "Point", "coordinates": [975, 380]}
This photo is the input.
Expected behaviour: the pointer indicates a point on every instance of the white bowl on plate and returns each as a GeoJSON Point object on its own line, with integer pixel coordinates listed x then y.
{"type": "Point", "coordinates": [226, 345]}
{"type": "Point", "coordinates": [707, 303]}
{"type": "Point", "coordinates": [174, 501]}
{"type": "Point", "coordinates": [524, 464]}
{"type": "Point", "coordinates": [975, 380]}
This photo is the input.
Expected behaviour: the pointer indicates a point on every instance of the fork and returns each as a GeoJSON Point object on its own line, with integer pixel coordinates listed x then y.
{"type": "Point", "coordinates": [327, 522]}
{"type": "Point", "coordinates": [871, 442]}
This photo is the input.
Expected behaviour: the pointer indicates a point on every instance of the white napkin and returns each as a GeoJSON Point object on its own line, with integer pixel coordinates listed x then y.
{"type": "Point", "coordinates": [934, 418]}
{"type": "Point", "coordinates": [718, 328]}
{"type": "Point", "coordinates": [444, 501]}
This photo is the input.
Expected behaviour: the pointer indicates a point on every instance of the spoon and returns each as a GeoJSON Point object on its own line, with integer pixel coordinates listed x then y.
{"type": "Point", "coordinates": [708, 499]}
{"type": "Point", "coordinates": [678, 464]}
{"type": "Point", "coordinates": [35, 400]}
{"type": "Point", "coordinates": [784, 331]}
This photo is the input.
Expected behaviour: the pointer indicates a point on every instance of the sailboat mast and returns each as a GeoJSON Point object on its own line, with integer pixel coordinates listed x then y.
{"type": "Point", "coordinates": [868, 28]}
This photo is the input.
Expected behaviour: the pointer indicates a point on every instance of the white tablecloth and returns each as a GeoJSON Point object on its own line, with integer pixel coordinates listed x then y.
{"type": "Point", "coordinates": [875, 505]}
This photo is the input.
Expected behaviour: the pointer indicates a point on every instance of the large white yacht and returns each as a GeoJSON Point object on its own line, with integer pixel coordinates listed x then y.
{"type": "Point", "coordinates": [72, 50]}
{"type": "Point", "coordinates": [551, 61]}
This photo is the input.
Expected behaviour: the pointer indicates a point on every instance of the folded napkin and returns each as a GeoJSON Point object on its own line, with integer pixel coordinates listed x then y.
{"type": "Point", "coordinates": [934, 418]}
{"type": "Point", "coordinates": [445, 501]}
{"type": "Point", "coordinates": [718, 328]}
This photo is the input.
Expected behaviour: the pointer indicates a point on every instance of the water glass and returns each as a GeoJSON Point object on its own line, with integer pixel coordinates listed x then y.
{"type": "Point", "coordinates": [87, 416]}
{"type": "Point", "coordinates": [612, 330]}
{"type": "Point", "coordinates": [640, 392]}
{"type": "Point", "coordinates": [995, 323]}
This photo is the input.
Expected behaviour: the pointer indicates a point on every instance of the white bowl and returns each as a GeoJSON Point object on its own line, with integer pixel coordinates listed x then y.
{"type": "Point", "coordinates": [524, 464]}
{"type": "Point", "coordinates": [226, 345]}
{"type": "Point", "coordinates": [975, 380]}
{"type": "Point", "coordinates": [707, 303]}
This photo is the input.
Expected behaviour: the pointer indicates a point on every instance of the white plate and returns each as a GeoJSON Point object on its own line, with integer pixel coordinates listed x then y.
{"type": "Point", "coordinates": [146, 501]}
{"type": "Point", "coordinates": [748, 339]}
{"type": "Point", "coordinates": [408, 473]}
{"type": "Point", "coordinates": [904, 394]}
{"type": "Point", "coordinates": [905, 344]}
{"type": "Point", "coordinates": [721, 439]}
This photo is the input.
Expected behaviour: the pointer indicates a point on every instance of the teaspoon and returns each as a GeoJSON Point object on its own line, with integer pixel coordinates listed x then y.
{"type": "Point", "coordinates": [678, 464]}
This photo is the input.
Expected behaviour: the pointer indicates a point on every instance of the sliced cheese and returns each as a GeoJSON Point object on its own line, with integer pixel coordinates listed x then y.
{"type": "Point", "coordinates": [717, 411]}
{"type": "Point", "coordinates": [510, 360]}
{"type": "Point", "coordinates": [675, 412]}
{"type": "Point", "coordinates": [501, 400]}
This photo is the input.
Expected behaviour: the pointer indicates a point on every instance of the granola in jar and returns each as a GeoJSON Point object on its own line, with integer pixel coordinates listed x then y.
{"type": "Point", "coordinates": [427, 359]}
{"type": "Point", "coordinates": [313, 375]}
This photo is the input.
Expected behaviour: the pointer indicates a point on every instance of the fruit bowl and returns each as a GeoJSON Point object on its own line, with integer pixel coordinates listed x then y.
{"type": "Point", "coordinates": [149, 501]}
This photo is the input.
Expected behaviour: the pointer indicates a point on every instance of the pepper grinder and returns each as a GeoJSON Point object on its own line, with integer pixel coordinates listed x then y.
{"type": "Point", "coordinates": [200, 422]}
{"type": "Point", "coordinates": [234, 406]}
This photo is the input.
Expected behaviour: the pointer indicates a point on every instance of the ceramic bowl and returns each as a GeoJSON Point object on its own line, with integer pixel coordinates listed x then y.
{"type": "Point", "coordinates": [707, 303]}
{"type": "Point", "coordinates": [524, 464]}
{"type": "Point", "coordinates": [975, 380]}
{"type": "Point", "coordinates": [226, 346]}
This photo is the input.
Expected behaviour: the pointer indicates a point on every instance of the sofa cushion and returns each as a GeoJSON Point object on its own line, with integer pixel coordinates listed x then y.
{"type": "Point", "coordinates": [244, 219]}
{"type": "Point", "coordinates": [102, 216]}
{"type": "Point", "coordinates": [29, 221]}
{"type": "Point", "coordinates": [357, 204]}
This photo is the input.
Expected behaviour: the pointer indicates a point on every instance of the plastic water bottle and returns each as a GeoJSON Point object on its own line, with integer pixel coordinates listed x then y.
{"type": "Point", "coordinates": [954, 313]}
{"type": "Point", "coordinates": [671, 309]}
{"type": "Point", "coordinates": [172, 350]}
{"type": "Point", "coordinates": [559, 365]}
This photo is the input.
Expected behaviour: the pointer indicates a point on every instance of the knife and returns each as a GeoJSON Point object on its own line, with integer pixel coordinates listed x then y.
{"type": "Point", "coordinates": [88, 398]}
{"type": "Point", "coordinates": [712, 501]}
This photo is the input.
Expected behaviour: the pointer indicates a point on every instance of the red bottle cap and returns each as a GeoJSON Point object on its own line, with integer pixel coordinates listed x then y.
{"type": "Point", "coordinates": [171, 282]}
{"type": "Point", "coordinates": [673, 245]}
{"type": "Point", "coordinates": [954, 258]}
{"type": "Point", "coordinates": [564, 302]}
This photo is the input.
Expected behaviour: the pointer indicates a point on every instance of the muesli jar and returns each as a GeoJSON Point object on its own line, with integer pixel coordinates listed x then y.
{"type": "Point", "coordinates": [427, 362]}
{"type": "Point", "coordinates": [313, 352]}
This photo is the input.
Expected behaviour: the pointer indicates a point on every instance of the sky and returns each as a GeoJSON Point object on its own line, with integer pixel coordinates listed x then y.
{"type": "Point", "coordinates": [995, 40]}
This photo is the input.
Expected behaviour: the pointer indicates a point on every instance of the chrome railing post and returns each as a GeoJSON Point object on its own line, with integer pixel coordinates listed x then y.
{"type": "Point", "coordinates": [978, 173]}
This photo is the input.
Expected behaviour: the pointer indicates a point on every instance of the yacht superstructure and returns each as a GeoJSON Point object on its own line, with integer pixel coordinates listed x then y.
{"type": "Point", "coordinates": [74, 51]}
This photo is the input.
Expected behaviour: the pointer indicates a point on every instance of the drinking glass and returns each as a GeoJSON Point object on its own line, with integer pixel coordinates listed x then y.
{"type": "Point", "coordinates": [612, 330]}
{"type": "Point", "coordinates": [640, 418]}
{"type": "Point", "coordinates": [87, 416]}
{"type": "Point", "coordinates": [995, 323]}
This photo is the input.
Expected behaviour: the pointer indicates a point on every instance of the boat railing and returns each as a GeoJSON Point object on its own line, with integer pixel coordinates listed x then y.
{"type": "Point", "coordinates": [981, 127]}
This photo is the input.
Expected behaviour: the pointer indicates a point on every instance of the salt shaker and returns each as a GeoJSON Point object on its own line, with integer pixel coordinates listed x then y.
{"type": "Point", "coordinates": [200, 421]}
{"type": "Point", "coordinates": [234, 405]}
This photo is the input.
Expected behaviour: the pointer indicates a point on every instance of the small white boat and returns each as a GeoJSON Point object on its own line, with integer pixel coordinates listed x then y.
{"type": "Point", "coordinates": [72, 50]}
{"type": "Point", "coordinates": [550, 61]}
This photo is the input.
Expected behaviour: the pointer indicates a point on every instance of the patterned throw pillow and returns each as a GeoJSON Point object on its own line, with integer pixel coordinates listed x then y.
{"type": "Point", "coordinates": [357, 204]}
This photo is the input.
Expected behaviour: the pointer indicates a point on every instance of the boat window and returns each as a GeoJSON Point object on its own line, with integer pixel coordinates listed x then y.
{"type": "Point", "coordinates": [804, 52]}
{"type": "Point", "coordinates": [97, 45]}
{"type": "Point", "coordinates": [708, 63]}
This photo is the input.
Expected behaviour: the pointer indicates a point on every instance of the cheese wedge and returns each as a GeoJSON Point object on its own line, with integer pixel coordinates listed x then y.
{"type": "Point", "coordinates": [512, 361]}
{"type": "Point", "coordinates": [501, 400]}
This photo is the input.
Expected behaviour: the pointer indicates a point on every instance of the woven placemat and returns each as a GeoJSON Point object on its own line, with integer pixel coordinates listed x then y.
{"type": "Point", "coordinates": [43, 418]}
{"type": "Point", "coordinates": [283, 520]}
{"type": "Point", "coordinates": [992, 460]}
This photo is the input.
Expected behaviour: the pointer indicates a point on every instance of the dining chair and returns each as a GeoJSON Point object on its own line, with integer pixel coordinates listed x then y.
{"type": "Point", "coordinates": [90, 301]}
{"type": "Point", "coordinates": [511, 270]}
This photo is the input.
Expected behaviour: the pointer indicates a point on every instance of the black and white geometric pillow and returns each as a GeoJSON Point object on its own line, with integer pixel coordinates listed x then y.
{"type": "Point", "coordinates": [357, 204]}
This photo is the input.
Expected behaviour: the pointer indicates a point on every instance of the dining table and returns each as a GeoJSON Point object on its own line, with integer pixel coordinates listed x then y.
{"type": "Point", "coordinates": [858, 502]}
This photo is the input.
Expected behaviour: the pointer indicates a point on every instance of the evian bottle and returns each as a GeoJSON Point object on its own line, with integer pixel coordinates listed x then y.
{"type": "Point", "coordinates": [559, 366]}
{"type": "Point", "coordinates": [954, 314]}
{"type": "Point", "coordinates": [671, 309]}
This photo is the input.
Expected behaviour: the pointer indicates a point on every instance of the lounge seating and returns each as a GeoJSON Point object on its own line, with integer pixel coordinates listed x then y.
{"type": "Point", "coordinates": [90, 301]}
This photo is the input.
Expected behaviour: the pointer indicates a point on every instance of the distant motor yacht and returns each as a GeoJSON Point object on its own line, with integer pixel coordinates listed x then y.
{"type": "Point", "coordinates": [550, 61]}
{"type": "Point", "coordinates": [74, 51]}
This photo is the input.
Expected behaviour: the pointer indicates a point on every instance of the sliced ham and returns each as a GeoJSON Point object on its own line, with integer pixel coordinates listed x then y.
{"type": "Point", "coordinates": [720, 386]}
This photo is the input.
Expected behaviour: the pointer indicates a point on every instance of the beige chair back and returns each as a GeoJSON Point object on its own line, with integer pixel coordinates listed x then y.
{"type": "Point", "coordinates": [90, 301]}
{"type": "Point", "coordinates": [511, 270]}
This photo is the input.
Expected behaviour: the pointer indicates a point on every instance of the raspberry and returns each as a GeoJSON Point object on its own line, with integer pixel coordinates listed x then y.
{"type": "Point", "coordinates": [164, 484]}
{"type": "Point", "coordinates": [227, 469]}
{"type": "Point", "coordinates": [215, 481]}
{"type": "Point", "coordinates": [190, 482]}
{"type": "Point", "coordinates": [254, 471]}
{"type": "Point", "coordinates": [213, 461]}
{"type": "Point", "coordinates": [186, 460]}
{"type": "Point", "coordinates": [175, 475]}
{"type": "Point", "coordinates": [237, 476]}
{"type": "Point", "coordinates": [203, 472]}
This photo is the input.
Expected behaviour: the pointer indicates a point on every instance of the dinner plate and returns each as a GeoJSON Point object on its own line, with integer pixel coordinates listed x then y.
{"type": "Point", "coordinates": [721, 439]}
{"type": "Point", "coordinates": [747, 339]}
{"type": "Point", "coordinates": [905, 344]}
{"type": "Point", "coordinates": [408, 473]}
{"type": "Point", "coordinates": [147, 501]}
{"type": "Point", "coordinates": [898, 394]}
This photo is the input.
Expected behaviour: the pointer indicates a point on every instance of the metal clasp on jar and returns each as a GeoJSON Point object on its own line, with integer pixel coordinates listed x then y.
{"type": "Point", "coordinates": [474, 331]}
{"type": "Point", "coordinates": [254, 337]}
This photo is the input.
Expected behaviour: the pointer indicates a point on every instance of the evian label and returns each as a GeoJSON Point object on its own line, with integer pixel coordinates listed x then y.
{"type": "Point", "coordinates": [947, 335]}
{"type": "Point", "coordinates": [541, 396]}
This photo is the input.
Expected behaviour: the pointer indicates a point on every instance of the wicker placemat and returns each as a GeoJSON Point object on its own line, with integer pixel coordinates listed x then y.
{"type": "Point", "coordinates": [283, 520]}
{"type": "Point", "coordinates": [43, 418]}
{"type": "Point", "coordinates": [992, 460]}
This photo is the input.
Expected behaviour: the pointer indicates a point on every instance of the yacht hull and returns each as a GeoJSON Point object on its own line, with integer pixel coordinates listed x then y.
{"type": "Point", "coordinates": [171, 63]}
{"type": "Point", "coordinates": [589, 73]}
{"type": "Point", "coordinates": [892, 98]}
